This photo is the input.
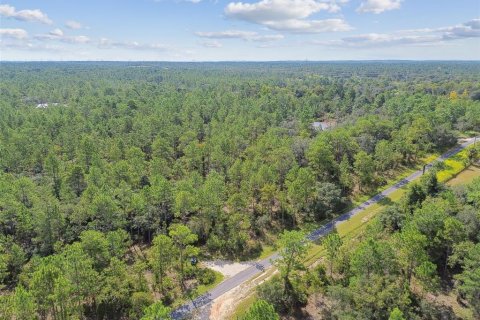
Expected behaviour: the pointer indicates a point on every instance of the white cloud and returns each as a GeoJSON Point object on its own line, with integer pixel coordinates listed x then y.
{"type": "Point", "coordinates": [229, 34]}
{"type": "Point", "coordinates": [211, 44]}
{"type": "Point", "coordinates": [58, 35]}
{"type": "Point", "coordinates": [191, 1]}
{"type": "Point", "coordinates": [106, 43]}
{"type": "Point", "coordinates": [76, 39]}
{"type": "Point", "coordinates": [32, 47]}
{"type": "Point", "coordinates": [382, 39]}
{"type": "Point", "coordinates": [288, 15]}
{"type": "Point", "coordinates": [277, 10]}
{"type": "Point", "coordinates": [309, 26]}
{"type": "Point", "coordinates": [474, 24]}
{"type": "Point", "coordinates": [24, 15]}
{"type": "Point", "coordinates": [71, 24]}
{"type": "Point", "coordinates": [470, 29]}
{"type": "Point", "coordinates": [238, 34]}
{"type": "Point", "coordinates": [379, 6]}
{"type": "Point", "coordinates": [13, 33]}
{"type": "Point", "coordinates": [56, 32]}
{"type": "Point", "coordinates": [267, 38]}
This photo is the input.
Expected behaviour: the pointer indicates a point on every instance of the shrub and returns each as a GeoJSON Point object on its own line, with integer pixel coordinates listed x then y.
{"type": "Point", "coordinates": [206, 276]}
{"type": "Point", "coordinates": [261, 310]}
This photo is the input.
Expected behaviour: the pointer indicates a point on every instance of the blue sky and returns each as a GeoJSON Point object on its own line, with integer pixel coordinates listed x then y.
{"type": "Point", "coordinates": [206, 30]}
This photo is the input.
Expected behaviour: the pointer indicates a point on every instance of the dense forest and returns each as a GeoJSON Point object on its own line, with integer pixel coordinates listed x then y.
{"type": "Point", "coordinates": [115, 178]}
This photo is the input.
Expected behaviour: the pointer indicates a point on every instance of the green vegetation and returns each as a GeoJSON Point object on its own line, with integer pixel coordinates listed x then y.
{"type": "Point", "coordinates": [452, 166]}
{"type": "Point", "coordinates": [283, 292]}
{"type": "Point", "coordinates": [244, 305]}
{"type": "Point", "coordinates": [157, 311]}
{"type": "Point", "coordinates": [466, 176]}
{"type": "Point", "coordinates": [209, 283]}
{"type": "Point", "coordinates": [355, 227]}
{"type": "Point", "coordinates": [261, 310]}
{"type": "Point", "coordinates": [116, 181]}
{"type": "Point", "coordinates": [394, 251]}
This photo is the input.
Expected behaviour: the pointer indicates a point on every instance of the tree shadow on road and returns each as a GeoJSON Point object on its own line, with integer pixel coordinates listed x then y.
{"type": "Point", "coordinates": [386, 202]}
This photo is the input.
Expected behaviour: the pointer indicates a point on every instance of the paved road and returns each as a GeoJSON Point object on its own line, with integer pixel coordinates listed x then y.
{"type": "Point", "coordinates": [262, 265]}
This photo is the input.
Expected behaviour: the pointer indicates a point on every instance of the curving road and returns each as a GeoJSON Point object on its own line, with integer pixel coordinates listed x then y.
{"type": "Point", "coordinates": [260, 266]}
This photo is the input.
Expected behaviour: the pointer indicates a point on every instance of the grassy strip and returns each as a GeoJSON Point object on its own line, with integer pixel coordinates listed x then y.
{"type": "Point", "coordinates": [466, 176]}
{"type": "Point", "coordinates": [243, 306]}
{"type": "Point", "coordinates": [453, 165]}
{"type": "Point", "coordinates": [267, 251]}
{"type": "Point", "coordinates": [201, 289]}
{"type": "Point", "coordinates": [355, 225]}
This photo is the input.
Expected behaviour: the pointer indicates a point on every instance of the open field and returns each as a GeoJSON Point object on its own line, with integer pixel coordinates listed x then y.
{"type": "Point", "coordinates": [466, 176]}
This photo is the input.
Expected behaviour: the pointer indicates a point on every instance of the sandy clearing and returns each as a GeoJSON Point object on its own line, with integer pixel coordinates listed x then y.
{"type": "Point", "coordinates": [223, 307]}
{"type": "Point", "coordinates": [227, 268]}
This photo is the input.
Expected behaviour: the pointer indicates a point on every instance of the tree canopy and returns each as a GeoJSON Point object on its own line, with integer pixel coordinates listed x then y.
{"type": "Point", "coordinates": [116, 177]}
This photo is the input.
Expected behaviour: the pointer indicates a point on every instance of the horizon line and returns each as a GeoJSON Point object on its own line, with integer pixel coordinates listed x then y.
{"type": "Point", "coordinates": [246, 61]}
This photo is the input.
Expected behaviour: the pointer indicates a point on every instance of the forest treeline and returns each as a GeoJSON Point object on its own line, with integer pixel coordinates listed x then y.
{"type": "Point", "coordinates": [102, 164]}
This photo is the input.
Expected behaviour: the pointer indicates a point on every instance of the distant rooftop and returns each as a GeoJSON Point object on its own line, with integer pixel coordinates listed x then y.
{"type": "Point", "coordinates": [322, 125]}
{"type": "Point", "coordinates": [46, 104]}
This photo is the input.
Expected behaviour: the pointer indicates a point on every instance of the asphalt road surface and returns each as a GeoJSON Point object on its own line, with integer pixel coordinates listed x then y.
{"type": "Point", "coordinates": [260, 266]}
